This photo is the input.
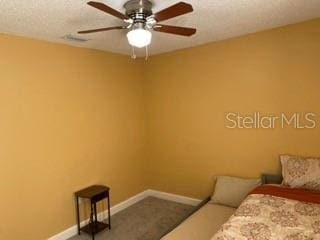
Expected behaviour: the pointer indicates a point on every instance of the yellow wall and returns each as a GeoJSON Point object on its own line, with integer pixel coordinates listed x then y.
{"type": "Point", "coordinates": [69, 118]}
{"type": "Point", "coordinates": [189, 92]}
{"type": "Point", "coordinates": [72, 117]}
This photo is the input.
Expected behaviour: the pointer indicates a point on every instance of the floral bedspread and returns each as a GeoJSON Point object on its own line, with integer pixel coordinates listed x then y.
{"type": "Point", "coordinates": [267, 217]}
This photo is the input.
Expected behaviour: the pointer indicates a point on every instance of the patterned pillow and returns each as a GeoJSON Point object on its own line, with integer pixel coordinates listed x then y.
{"type": "Point", "coordinates": [301, 172]}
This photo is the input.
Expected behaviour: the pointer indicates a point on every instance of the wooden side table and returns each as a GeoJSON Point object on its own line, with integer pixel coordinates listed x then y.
{"type": "Point", "coordinates": [95, 194]}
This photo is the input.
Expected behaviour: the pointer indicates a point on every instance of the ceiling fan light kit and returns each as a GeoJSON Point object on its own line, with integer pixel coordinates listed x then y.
{"type": "Point", "coordinates": [140, 20]}
{"type": "Point", "coordinates": [139, 37]}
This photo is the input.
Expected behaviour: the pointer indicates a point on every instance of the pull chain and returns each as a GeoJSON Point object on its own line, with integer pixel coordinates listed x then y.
{"type": "Point", "coordinates": [147, 53]}
{"type": "Point", "coordinates": [133, 56]}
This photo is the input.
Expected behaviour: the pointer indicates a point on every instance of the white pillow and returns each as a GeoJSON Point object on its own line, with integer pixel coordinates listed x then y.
{"type": "Point", "coordinates": [301, 172]}
{"type": "Point", "coordinates": [231, 191]}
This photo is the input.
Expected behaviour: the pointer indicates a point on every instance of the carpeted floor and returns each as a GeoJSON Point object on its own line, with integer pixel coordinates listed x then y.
{"type": "Point", "coordinates": [148, 219]}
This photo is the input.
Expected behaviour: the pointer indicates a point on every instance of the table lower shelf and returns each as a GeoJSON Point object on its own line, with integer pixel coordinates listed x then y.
{"type": "Point", "coordinates": [94, 228]}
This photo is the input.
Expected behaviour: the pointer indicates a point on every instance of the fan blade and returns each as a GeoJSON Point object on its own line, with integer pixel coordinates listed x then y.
{"type": "Point", "coordinates": [100, 30]}
{"type": "Point", "coordinates": [173, 11]}
{"type": "Point", "coordinates": [107, 9]}
{"type": "Point", "coordinates": [175, 30]}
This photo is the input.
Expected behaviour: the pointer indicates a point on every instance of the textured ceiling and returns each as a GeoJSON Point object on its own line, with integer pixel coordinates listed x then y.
{"type": "Point", "coordinates": [215, 20]}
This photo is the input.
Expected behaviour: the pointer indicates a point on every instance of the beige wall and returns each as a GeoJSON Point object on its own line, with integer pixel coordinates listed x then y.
{"type": "Point", "coordinates": [72, 117]}
{"type": "Point", "coordinates": [69, 117]}
{"type": "Point", "coordinates": [189, 92]}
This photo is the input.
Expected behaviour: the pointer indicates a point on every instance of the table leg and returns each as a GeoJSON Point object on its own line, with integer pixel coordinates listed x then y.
{"type": "Point", "coordinates": [78, 214]}
{"type": "Point", "coordinates": [95, 212]}
{"type": "Point", "coordinates": [109, 215]}
{"type": "Point", "coordinates": [92, 224]}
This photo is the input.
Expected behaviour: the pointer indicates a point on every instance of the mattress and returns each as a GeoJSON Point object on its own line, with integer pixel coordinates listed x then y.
{"type": "Point", "coordinates": [275, 213]}
{"type": "Point", "coordinates": [203, 224]}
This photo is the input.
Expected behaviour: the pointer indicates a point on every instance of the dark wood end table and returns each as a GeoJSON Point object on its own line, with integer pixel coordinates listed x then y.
{"type": "Point", "coordinates": [95, 193]}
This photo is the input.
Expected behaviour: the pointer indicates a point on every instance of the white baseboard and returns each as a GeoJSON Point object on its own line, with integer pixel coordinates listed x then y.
{"type": "Point", "coordinates": [72, 231]}
{"type": "Point", "coordinates": [173, 197]}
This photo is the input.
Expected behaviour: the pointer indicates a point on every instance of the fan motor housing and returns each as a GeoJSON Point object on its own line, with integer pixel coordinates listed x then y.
{"type": "Point", "coordinates": [138, 9]}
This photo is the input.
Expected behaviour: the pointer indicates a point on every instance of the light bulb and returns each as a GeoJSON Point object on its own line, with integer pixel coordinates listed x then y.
{"type": "Point", "coordinates": [139, 37]}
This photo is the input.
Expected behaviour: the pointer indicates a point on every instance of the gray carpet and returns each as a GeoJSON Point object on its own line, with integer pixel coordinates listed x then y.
{"type": "Point", "coordinates": [148, 219]}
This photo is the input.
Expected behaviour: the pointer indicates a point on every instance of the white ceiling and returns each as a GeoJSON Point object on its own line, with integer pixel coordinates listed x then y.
{"type": "Point", "coordinates": [215, 20]}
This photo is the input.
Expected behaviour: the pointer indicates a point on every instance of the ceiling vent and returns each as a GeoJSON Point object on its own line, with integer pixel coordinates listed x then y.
{"type": "Point", "coordinates": [71, 38]}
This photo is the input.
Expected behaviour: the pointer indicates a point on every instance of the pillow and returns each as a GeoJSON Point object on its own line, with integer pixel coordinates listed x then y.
{"type": "Point", "coordinates": [231, 191]}
{"type": "Point", "coordinates": [301, 172]}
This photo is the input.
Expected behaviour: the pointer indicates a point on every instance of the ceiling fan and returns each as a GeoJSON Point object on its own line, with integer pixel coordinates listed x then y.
{"type": "Point", "coordinates": [139, 19]}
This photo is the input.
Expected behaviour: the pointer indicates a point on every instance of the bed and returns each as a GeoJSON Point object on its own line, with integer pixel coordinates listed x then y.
{"type": "Point", "coordinates": [201, 225]}
{"type": "Point", "coordinates": [270, 212]}
{"type": "Point", "coordinates": [274, 212]}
